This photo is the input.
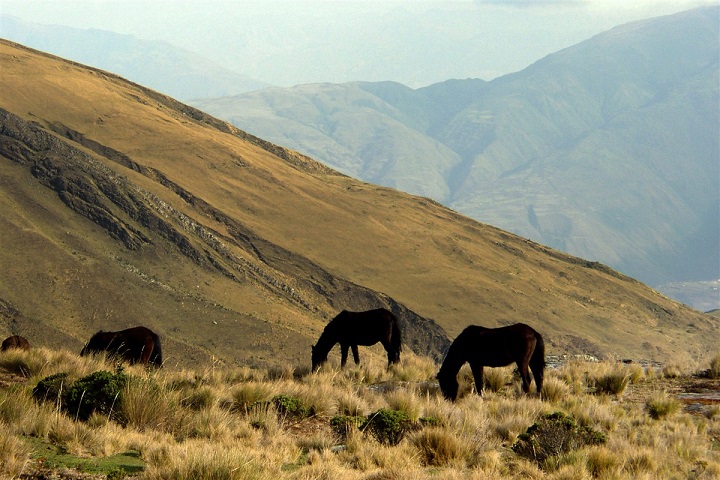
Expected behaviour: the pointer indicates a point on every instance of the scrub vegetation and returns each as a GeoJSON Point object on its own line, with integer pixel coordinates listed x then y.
{"type": "Point", "coordinates": [363, 422]}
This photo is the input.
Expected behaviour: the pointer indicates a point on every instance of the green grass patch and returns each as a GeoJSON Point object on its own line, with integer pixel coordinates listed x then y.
{"type": "Point", "coordinates": [114, 466]}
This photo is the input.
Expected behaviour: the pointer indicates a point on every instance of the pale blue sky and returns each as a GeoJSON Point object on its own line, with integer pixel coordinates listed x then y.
{"type": "Point", "coordinates": [307, 41]}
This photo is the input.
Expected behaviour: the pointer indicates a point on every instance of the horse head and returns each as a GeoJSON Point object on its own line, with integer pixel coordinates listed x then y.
{"type": "Point", "coordinates": [448, 386]}
{"type": "Point", "coordinates": [317, 358]}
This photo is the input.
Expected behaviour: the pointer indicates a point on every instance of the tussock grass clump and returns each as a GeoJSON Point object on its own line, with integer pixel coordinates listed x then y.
{"type": "Point", "coordinates": [661, 405]}
{"type": "Point", "coordinates": [194, 460]}
{"type": "Point", "coordinates": [613, 383]}
{"type": "Point", "coordinates": [14, 453]}
{"type": "Point", "coordinates": [438, 447]}
{"type": "Point", "coordinates": [247, 394]}
{"type": "Point", "coordinates": [554, 390]}
{"type": "Point", "coordinates": [496, 378]}
{"type": "Point", "coordinates": [714, 370]}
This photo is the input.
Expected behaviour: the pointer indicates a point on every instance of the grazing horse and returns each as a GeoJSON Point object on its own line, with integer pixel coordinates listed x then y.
{"type": "Point", "coordinates": [351, 329]}
{"type": "Point", "coordinates": [134, 345]}
{"type": "Point", "coordinates": [15, 341]}
{"type": "Point", "coordinates": [493, 347]}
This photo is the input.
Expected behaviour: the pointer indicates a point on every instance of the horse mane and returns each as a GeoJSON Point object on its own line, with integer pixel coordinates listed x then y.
{"type": "Point", "coordinates": [455, 357]}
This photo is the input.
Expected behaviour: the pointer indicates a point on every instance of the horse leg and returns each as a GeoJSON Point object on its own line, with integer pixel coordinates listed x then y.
{"type": "Point", "coordinates": [524, 374]}
{"type": "Point", "coordinates": [344, 354]}
{"type": "Point", "coordinates": [478, 372]}
{"type": "Point", "coordinates": [146, 352]}
{"type": "Point", "coordinates": [390, 353]}
{"type": "Point", "coordinates": [356, 355]}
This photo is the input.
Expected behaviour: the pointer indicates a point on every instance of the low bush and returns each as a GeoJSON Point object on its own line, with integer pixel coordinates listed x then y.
{"type": "Point", "coordinates": [50, 389]}
{"type": "Point", "coordinates": [388, 426]}
{"type": "Point", "coordinates": [291, 406]}
{"type": "Point", "coordinates": [344, 425]}
{"type": "Point", "coordinates": [99, 392]}
{"type": "Point", "coordinates": [555, 434]}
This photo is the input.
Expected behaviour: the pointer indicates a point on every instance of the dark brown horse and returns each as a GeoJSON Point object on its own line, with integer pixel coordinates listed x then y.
{"type": "Point", "coordinates": [134, 345]}
{"type": "Point", "coordinates": [351, 329]}
{"type": "Point", "coordinates": [493, 347]}
{"type": "Point", "coordinates": [15, 341]}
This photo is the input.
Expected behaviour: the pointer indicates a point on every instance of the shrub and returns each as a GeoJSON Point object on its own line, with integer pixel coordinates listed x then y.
{"type": "Point", "coordinates": [50, 389]}
{"type": "Point", "coordinates": [342, 425]}
{"type": "Point", "coordinates": [98, 392]}
{"type": "Point", "coordinates": [291, 406]}
{"type": "Point", "coordinates": [555, 434]}
{"type": "Point", "coordinates": [388, 426]}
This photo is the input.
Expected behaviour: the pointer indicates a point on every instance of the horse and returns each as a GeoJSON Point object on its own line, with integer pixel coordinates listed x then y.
{"type": "Point", "coordinates": [351, 329]}
{"type": "Point", "coordinates": [493, 347]}
{"type": "Point", "coordinates": [134, 345]}
{"type": "Point", "coordinates": [15, 341]}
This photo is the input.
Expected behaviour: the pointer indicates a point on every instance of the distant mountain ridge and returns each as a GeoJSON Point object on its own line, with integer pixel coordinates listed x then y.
{"type": "Point", "coordinates": [161, 66]}
{"type": "Point", "coordinates": [608, 150]}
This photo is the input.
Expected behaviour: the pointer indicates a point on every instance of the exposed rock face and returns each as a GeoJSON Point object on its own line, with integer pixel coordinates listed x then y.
{"type": "Point", "coordinates": [137, 219]}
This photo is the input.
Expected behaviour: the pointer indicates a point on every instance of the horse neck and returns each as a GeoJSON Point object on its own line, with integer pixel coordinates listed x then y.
{"type": "Point", "coordinates": [454, 359]}
{"type": "Point", "coordinates": [327, 340]}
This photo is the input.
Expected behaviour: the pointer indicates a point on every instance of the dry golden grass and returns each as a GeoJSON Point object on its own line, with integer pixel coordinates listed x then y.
{"type": "Point", "coordinates": [222, 424]}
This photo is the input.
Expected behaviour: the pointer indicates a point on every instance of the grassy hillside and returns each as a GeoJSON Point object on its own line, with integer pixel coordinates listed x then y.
{"type": "Point", "coordinates": [125, 207]}
{"type": "Point", "coordinates": [607, 150]}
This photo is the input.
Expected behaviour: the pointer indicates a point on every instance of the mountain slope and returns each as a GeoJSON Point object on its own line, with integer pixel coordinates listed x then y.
{"type": "Point", "coordinates": [608, 150]}
{"type": "Point", "coordinates": [158, 65]}
{"type": "Point", "coordinates": [127, 207]}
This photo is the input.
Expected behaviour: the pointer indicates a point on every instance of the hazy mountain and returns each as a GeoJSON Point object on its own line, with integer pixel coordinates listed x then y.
{"type": "Point", "coordinates": [607, 150]}
{"type": "Point", "coordinates": [158, 65]}
{"type": "Point", "coordinates": [122, 206]}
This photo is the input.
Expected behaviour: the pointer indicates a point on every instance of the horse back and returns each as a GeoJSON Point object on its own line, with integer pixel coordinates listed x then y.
{"type": "Point", "coordinates": [15, 341]}
{"type": "Point", "coordinates": [497, 347]}
{"type": "Point", "coordinates": [364, 328]}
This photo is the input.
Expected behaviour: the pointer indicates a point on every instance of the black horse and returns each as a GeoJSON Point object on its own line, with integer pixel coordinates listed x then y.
{"type": "Point", "coordinates": [493, 347]}
{"type": "Point", "coordinates": [134, 345]}
{"type": "Point", "coordinates": [351, 329]}
{"type": "Point", "coordinates": [15, 341]}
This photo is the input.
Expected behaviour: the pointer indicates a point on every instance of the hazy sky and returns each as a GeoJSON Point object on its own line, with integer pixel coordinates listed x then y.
{"type": "Point", "coordinates": [414, 42]}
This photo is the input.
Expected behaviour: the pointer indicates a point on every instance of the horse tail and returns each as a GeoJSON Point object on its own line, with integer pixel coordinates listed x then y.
{"type": "Point", "coordinates": [156, 358]}
{"type": "Point", "coordinates": [396, 339]}
{"type": "Point", "coordinates": [537, 362]}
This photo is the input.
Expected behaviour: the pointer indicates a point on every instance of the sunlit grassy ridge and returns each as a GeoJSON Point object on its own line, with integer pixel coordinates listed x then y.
{"type": "Point", "coordinates": [123, 207]}
{"type": "Point", "coordinates": [242, 423]}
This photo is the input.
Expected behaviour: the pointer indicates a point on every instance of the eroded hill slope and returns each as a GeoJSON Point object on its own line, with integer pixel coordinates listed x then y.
{"type": "Point", "coordinates": [125, 207]}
